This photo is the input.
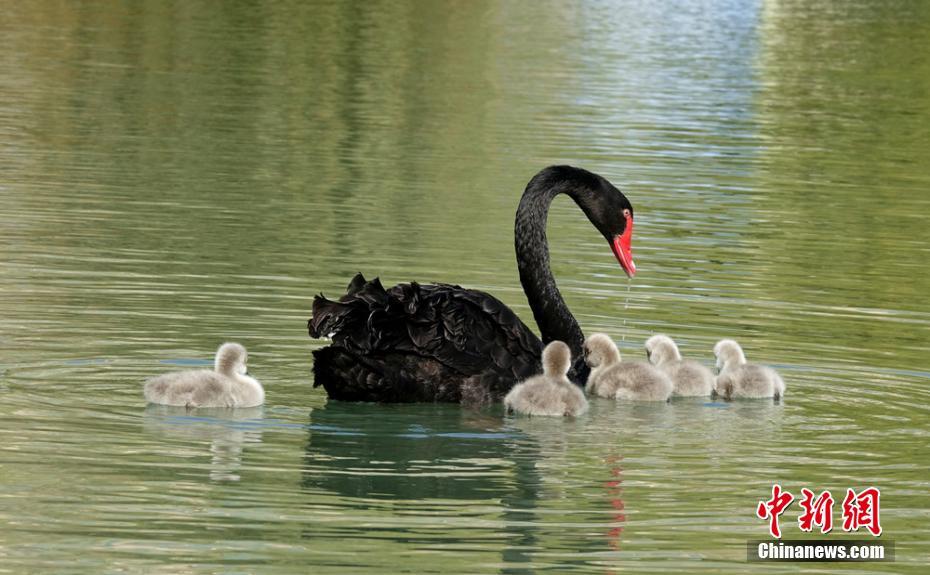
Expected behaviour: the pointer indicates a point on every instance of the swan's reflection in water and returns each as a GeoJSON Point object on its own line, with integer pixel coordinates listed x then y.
{"type": "Point", "coordinates": [614, 490]}
{"type": "Point", "coordinates": [537, 493]}
{"type": "Point", "coordinates": [410, 452]}
{"type": "Point", "coordinates": [225, 431]}
{"type": "Point", "coordinates": [454, 463]}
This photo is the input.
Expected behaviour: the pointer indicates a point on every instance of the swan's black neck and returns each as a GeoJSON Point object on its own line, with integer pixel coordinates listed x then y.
{"type": "Point", "coordinates": [553, 317]}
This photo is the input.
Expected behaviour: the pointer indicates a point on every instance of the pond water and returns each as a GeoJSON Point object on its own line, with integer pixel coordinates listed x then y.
{"type": "Point", "coordinates": [178, 174]}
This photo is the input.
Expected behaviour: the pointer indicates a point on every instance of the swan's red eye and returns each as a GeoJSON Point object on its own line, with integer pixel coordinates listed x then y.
{"type": "Point", "coordinates": [626, 213]}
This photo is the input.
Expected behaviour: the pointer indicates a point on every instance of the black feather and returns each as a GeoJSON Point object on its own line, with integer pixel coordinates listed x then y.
{"type": "Point", "coordinates": [420, 343]}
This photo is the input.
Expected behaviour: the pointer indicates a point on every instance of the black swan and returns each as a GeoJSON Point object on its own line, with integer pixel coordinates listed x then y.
{"type": "Point", "coordinates": [417, 342]}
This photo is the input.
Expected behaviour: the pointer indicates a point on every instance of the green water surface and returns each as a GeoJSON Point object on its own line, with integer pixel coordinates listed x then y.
{"type": "Point", "coordinates": [178, 174]}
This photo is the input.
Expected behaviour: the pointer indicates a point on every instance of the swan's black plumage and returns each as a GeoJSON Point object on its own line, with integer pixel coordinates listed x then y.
{"type": "Point", "coordinates": [420, 343]}
{"type": "Point", "coordinates": [441, 342]}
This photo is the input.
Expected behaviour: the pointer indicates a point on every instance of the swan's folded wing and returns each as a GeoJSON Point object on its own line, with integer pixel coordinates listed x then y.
{"type": "Point", "coordinates": [357, 283]}
{"type": "Point", "coordinates": [468, 331]}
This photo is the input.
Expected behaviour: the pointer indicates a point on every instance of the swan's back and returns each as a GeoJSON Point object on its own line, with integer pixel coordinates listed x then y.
{"type": "Point", "coordinates": [690, 378]}
{"type": "Point", "coordinates": [750, 380]}
{"type": "Point", "coordinates": [418, 342]}
{"type": "Point", "coordinates": [535, 396]}
{"type": "Point", "coordinates": [633, 380]}
{"type": "Point", "coordinates": [190, 388]}
{"type": "Point", "coordinates": [575, 401]}
{"type": "Point", "coordinates": [546, 395]}
{"type": "Point", "coordinates": [738, 378]}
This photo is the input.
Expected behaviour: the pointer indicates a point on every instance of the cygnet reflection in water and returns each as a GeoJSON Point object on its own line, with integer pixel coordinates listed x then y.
{"type": "Point", "coordinates": [225, 431]}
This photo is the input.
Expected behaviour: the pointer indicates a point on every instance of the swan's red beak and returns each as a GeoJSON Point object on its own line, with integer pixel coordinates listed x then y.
{"type": "Point", "coordinates": [623, 248]}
